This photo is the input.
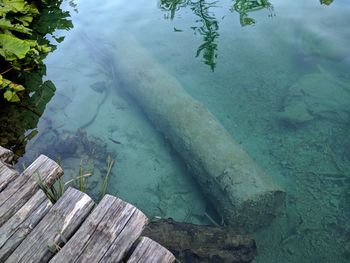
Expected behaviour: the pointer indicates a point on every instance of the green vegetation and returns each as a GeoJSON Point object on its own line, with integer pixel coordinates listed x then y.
{"type": "Point", "coordinates": [110, 163]}
{"type": "Point", "coordinates": [29, 23]}
{"type": "Point", "coordinates": [23, 45]}
{"type": "Point", "coordinates": [55, 191]}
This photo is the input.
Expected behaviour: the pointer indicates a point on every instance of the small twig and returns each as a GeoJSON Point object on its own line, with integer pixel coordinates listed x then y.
{"type": "Point", "coordinates": [7, 70]}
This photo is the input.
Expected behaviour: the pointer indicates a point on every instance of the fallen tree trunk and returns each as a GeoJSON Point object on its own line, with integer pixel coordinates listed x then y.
{"type": "Point", "coordinates": [243, 194]}
{"type": "Point", "coordinates": [193, 243]}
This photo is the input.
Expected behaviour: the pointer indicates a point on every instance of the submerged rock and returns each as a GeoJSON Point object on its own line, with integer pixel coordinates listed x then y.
{"type": "Point", "coordinates": [314, 96]}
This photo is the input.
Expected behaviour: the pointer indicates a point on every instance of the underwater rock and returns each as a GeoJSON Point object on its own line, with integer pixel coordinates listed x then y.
{"type": "Point", "coordinates": [194, 243]}
{"type": "Point", "coordinates": [243, 194]}
{"type": "Point", "coordinates": [314, 96]}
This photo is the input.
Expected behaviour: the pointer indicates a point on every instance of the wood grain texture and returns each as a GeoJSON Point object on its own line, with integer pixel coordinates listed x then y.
{"type": "Point", "coordinates": [16, 194]}
{"type": "Point", "coordinates": [149, 251]}
{"type": "Point", "coordinates": [106, 235]}
{"type": "Point", "coordinates": [59, 224]}
{"type": "Point", "coordinates": [6, 155]}
{"type": "Point", "coordinates": [21, 224]}
{"type": "Point", "coordinates": [7, 175]}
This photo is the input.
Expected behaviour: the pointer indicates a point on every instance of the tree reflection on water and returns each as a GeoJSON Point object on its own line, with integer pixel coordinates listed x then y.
{"type": "Point", "coordinates": [207, 24]}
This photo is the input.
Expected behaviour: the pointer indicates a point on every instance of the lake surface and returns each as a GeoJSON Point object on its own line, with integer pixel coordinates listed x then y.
{"type": "Point", "coordinates": [277, 79]}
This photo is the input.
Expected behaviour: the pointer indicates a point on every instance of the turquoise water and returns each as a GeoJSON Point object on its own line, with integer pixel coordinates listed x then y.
{"type": "Point", "coordinates": [281, 88]}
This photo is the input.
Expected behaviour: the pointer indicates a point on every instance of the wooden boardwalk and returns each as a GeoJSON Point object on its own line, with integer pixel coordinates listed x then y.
{"type": "Point", "coordinates": [74, 229]}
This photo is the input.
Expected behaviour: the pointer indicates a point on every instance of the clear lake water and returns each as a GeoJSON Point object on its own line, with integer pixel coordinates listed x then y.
{"type": "Point", "coordinates": [277, 77]}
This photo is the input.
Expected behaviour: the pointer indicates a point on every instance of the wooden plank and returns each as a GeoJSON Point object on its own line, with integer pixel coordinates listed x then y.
{"type": "Point", "coordinates": [149, 251]}
{"type": "Point", "coordinates": [129, 234]}
{"type": "Point", "coordinates": [6, 155]}
{"type": "Point", "coordinates": [16, 194]}
{"type": "Point", "coordinates": [21, 224]}
{"type": "Point", "coordinates": [7, 175]}
{"type": "Point", "coordinates": [55, 228]}
{"type": "Point", "coordinates": [106, 235]}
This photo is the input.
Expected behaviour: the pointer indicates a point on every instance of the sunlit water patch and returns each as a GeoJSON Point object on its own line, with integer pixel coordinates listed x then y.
{"type": "Point", "coordinates": [277, 79]}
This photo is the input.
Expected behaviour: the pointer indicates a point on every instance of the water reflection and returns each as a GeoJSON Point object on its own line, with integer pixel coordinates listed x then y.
{"type": "Point", "coordinates": [326, 2]}
{"type": "Point", "coordinates": [206, 25]}
{"type": "Point", "coordinates": [244, 7]}
{"type": "Point", "coordinates": [172, 6]}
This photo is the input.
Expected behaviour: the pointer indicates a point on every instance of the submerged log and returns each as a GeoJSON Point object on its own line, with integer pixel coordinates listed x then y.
{"type": "Point", "coordinates": [194, 243]}
{"type": "Point", "coordinates": [243, 194]}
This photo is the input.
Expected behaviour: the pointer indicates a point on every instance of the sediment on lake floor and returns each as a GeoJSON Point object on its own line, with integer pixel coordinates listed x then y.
{"type": "Point", "coordinates": [242, 193]}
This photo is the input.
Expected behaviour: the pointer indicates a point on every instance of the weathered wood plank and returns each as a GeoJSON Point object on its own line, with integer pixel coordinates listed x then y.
{"type": "Point", "coordinates": [16, 194]}
{"type": "Point", "coordinates": [54, 229]}
{"type": "Point", "coordinates": [21, 224]}
{"type": "Point", "coordinates": [6, 155]}
{"type": "Point", "coordinates": [7, 175]}
{"type": "Point", "coordinates": [129, 234]}
{"type": "Point", "coordinates": [106, 235]}
{"type": "Point", "coordinates": [149, 251]}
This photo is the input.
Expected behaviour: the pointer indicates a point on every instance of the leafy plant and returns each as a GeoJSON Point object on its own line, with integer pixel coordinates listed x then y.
{"type": "Point", "coordinates": [23, 26]}
{"type": "Point", "coordinates": [16, 48]}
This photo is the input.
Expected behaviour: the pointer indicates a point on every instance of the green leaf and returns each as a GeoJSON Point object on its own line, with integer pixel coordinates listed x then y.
{"type": "Point", "coordinates": [7, 25]}
{"type": "Point", "coordinates": [11, 96]}
{"type": "Point", "coordinates": [25, 20]}
{"type": "Point", "coordinates": [4, 82]}
{"type": "Point", "coordinates": [16, 87]}
{"type": "Point", "coordinates": [12, 47]}
{"type": "Point", "coordinates": [17, 6]}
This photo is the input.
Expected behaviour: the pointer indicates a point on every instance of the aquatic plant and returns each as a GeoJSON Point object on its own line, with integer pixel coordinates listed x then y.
{"type": "Point", "coordinates": [110, 163]}
{"type": "Point", "coordinates": [55, 191]}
